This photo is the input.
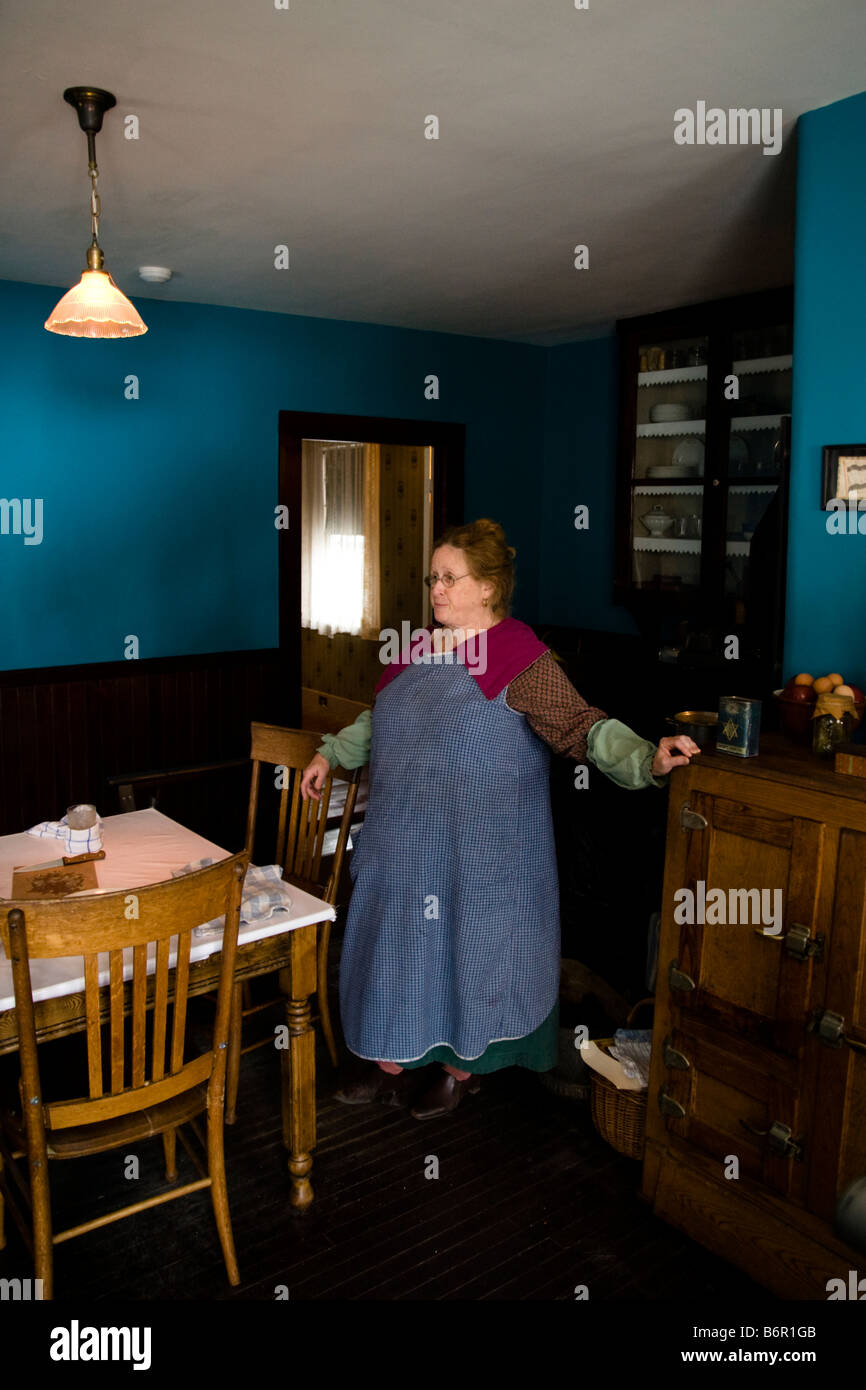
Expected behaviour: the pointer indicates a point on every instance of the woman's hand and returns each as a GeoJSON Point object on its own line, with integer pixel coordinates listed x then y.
{"type": "Point", "coordinates": [314, 777]}
{"type": "Point", "coordinates": [663, 762]}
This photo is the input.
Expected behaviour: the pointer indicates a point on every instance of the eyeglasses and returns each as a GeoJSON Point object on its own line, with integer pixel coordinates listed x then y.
{"type": "Point", "coordinates": [449, 580]}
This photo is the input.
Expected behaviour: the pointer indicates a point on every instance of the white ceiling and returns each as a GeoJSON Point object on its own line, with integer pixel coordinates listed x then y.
{"type": "Point", "coordinates": [305, 126]}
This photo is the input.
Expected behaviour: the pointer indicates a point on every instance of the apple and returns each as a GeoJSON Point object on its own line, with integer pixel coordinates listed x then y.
{"type": "Point", "coordinates": [801, 694]}
{"type": "Point", "coordinates": [859, 697]}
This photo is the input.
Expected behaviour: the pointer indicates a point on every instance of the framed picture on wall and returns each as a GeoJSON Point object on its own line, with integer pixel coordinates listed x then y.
{"type": "Point", "coordinates": [844, 473]}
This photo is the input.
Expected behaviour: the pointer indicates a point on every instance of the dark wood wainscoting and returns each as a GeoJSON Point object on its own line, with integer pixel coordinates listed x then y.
{"type": "Point", "coordinates": [65, 731]}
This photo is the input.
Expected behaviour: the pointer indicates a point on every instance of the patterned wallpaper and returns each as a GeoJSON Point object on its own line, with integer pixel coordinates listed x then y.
{"type": "Point", "coordinates": [350, 666]}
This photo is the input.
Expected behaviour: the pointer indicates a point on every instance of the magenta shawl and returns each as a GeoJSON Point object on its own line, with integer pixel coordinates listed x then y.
{"type": "Point", "coordinates": [511, 648]}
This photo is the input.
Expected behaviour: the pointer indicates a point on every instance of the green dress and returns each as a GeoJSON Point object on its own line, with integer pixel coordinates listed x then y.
{"type": "Point", "coordinates": [615, 750]}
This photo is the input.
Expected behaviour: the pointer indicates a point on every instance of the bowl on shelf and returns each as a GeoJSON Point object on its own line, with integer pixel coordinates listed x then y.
{"type": "Point", "coordinates": [670, 470]}
{"type": "Point", "coordinates": [698, 724]}
{"type": "Point", "coordinates": [665, 412]}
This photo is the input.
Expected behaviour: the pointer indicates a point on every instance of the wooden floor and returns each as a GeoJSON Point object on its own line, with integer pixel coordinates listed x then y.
{"type": "Point", "coordinates": [529, 1203]}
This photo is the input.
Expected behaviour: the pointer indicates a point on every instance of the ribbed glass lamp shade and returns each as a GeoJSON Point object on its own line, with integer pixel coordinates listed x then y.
{"type": "Point", "coordinates": [95, 308]}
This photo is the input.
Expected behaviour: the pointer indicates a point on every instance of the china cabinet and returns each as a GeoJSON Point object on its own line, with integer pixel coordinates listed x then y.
{"type": "Point", "coordinates": [703, 464]}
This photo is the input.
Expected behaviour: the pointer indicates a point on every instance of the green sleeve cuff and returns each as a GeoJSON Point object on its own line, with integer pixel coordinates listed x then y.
{"type": "Point", "coordinates": [622, 755]}
{"type": "Point", "coordinates": [350, 748]}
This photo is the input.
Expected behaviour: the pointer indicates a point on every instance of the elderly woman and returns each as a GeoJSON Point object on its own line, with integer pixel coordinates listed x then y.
{"type": "Point", "coordinates": [451, 949]}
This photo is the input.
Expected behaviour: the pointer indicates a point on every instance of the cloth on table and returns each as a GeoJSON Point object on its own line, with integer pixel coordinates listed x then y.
{"type": "Point", "coordinates": [264, 894]}
{"type": "Point", "coordinates": [87, 841]}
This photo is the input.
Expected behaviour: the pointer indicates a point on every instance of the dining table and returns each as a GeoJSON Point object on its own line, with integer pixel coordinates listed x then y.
{"type": "Point", "coordinates": [145, 847]}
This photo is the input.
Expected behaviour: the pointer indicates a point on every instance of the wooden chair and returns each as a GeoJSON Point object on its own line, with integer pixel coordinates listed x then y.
{"type": "Point", "coordinates": [326, 713]}
{"type": "Point", "coordinates": [135, 1090]}
{"type": "Point", "coordinates": [300, 835]}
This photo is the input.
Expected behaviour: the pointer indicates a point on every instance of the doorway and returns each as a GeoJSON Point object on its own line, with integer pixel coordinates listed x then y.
{"type": "Point", "coordinates": [378, 492]}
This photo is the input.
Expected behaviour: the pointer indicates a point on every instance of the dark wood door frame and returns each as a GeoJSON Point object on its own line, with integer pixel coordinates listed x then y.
{"type": "Point", "coordinates": [447, 441]}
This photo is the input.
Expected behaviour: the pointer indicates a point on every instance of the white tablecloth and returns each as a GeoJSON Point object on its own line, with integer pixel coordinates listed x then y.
{"type": "Point", "coordinates": [141, 847]}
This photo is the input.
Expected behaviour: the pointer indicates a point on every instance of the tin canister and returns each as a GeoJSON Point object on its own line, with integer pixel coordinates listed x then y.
{"type": "Point", "coordinates": [739, 726]}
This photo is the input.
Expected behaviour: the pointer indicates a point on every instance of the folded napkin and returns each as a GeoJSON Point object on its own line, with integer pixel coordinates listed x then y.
{"type": "Point", "coordinates": [74, 841]}
{"type": "Point", "coordinates": [264, 895]}
{"type": "Point", "coordinates": [633, 1047]}
{"type": "Point", "coordinates": [602, 1062]}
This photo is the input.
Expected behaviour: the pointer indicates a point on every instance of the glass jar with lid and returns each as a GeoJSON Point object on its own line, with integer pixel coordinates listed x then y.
{"type": "Point", "coordinates": [833, 723]}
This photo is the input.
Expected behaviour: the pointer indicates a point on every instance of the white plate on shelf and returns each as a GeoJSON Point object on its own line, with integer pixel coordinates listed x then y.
{"type": "Point", "coordinates": [689, 453]}
{"type": "Point", "coordinates": [738, 455]}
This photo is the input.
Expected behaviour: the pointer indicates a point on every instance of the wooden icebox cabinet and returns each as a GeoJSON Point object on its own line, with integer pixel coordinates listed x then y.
{"type": "Point", "coordinates": [756, 1118]}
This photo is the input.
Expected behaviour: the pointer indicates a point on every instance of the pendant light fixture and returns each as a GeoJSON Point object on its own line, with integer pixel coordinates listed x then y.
{"type": "Point", "coordinates": [95, 307]}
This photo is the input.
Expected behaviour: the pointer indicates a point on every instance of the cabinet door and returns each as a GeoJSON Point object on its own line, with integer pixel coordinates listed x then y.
{"type": "Point", "coordinates": [840, 1155]}
{"type": "Point", "coordinates": [732, 1095]}
{"type": "Point", "coordinates": [751, 875]}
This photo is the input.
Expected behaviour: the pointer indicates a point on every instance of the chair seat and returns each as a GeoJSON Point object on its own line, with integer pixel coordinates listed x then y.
{"type": "Point", "coordinates": [80, 1140]}
{"type": "Point", "coordinates": [126, 1129]}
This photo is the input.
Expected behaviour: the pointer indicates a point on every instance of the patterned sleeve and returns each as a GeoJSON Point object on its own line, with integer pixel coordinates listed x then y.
{"type": "Point", "coordinates": [554, 710]}
{"type": "Point", "coordinates": [561, 717]}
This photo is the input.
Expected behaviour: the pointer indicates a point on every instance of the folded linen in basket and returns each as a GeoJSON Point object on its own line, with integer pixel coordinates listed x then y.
{"type": "Point", "coordinates": [265, 894]}
{"type": "Point", "coordinates": [633, 1047]}
{"type": "Point", "coordinates": [74, 841]}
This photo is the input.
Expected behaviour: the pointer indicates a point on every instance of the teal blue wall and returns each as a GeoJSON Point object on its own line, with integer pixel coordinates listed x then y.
{"type": "Point", "coordinates": [826, 611]}
{"type": "Point", "coordinates": [576, 567]}
{"type": "Point", "coordinates": [158, 512]}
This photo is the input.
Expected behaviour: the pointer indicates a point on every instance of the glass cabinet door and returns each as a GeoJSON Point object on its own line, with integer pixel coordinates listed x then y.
{"type": "Point", "coordinates": [762, 368]}
{"type": "Point", "coordinates": [667, 483]}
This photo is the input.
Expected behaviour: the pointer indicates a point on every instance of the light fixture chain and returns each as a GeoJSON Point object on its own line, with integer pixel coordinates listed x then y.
{"type": "Point", "coordinates": [95, 204]}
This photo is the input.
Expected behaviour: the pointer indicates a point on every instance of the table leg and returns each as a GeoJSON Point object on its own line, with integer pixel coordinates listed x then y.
{"type": "Point", "coordinates": [298, 1060]}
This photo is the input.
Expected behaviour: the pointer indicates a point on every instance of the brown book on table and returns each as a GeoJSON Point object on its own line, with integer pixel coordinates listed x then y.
{"type": "Point", "coordinates": [53, 880]}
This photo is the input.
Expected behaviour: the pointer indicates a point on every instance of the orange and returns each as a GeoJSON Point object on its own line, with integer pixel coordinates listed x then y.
{"type": "Point", "coordinates": [822, 685]}
{"type": "Point", "coordinates": [803, 679]}
{"type": "Point", "coordinates": [835, 679]}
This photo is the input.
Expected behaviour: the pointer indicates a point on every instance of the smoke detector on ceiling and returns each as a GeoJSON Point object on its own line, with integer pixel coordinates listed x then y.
{"type": "Point", "coordinates": [155, 274]}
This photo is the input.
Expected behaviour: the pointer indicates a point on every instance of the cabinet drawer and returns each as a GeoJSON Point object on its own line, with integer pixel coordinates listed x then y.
{"type": "Point", "coordinates": [731, 1098]}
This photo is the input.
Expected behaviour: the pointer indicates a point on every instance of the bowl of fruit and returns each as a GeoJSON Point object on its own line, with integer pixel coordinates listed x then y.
{"type": "Point", "coordinates": [797, 702]}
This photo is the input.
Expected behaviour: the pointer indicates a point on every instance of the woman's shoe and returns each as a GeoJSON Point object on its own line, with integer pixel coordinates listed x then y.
{"type": "Point", "coordinates": [444, 1095]}
{"type": "Point", "coordinates": [373, 1084]}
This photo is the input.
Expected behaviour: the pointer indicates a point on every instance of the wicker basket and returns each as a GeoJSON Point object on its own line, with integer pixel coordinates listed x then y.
{"type": "Point", "coordinates": [619, 1116]}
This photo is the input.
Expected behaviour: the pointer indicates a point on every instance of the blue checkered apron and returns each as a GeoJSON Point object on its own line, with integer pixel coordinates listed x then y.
{"type": "Point", "coordinates": [452, 933]}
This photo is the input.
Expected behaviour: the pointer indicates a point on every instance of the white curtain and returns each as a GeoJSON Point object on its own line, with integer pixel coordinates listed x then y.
{"type": "Point", "coordinates": [340, 542]}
